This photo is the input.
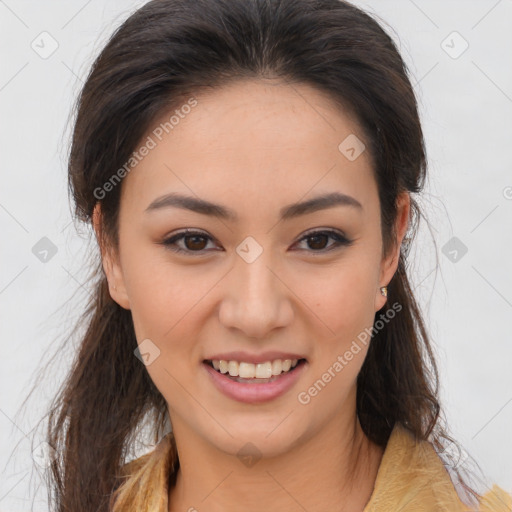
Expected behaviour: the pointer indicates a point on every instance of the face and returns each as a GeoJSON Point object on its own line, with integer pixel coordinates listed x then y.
{"type": "Point", "coordinates": [257, 275]}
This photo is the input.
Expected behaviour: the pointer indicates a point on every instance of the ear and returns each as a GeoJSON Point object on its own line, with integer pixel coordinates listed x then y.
{"type": "Point", "coordinates": [389, 263]}
{"type": "Point", "coordinates": [110, 262]}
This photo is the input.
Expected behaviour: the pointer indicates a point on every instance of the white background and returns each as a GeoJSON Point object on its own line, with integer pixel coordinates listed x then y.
{"type": "Point", "coordinates": [466, 109]}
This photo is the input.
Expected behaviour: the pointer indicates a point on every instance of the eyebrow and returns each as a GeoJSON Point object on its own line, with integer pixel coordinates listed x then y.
{"type": "Point", "coordinates": [293, 210]}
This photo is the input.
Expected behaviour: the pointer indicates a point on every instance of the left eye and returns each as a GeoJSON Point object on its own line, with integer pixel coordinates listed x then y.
{"type": "Point", "coordinates": [319, 236]}
{"type": "Point", "coordinates": [195, 241]}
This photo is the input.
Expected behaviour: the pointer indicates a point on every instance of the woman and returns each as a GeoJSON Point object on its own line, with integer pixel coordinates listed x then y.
{"type": "Point", "coordinates": [248, 167]}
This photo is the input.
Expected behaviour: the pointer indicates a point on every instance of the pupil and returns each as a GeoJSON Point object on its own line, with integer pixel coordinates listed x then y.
{"type": "Point", "coordinates": [195, 238]}
{"type": "Point", "coordinates": [317, 237]}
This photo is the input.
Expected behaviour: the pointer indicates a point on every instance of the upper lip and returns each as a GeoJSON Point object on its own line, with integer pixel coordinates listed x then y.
{"type": "Point", "coordinates": [246, 357]}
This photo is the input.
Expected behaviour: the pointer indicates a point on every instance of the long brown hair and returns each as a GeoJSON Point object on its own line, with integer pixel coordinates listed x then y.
{"type": "Point", "coordinates": [169, 50]}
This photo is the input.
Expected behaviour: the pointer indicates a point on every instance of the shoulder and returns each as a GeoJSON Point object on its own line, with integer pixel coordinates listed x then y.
{"type": "Point", "coordinates": [133, 466]}
{"type": "Point", "coordinates": [412, 477]}
{"type": "Point", "coordinates": [163, 453]}
{"type": "Point", "coordinates": [145, 480]}
{"type": "Point", "coordinates": [496, 500]}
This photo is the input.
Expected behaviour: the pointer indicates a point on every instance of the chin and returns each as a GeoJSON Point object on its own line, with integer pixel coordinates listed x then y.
{"type": "Point", "coordinates": [256, 438]}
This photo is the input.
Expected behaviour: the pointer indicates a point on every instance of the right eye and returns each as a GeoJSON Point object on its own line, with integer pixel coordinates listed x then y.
{"type": "Point", "coordinates": [193, 241]}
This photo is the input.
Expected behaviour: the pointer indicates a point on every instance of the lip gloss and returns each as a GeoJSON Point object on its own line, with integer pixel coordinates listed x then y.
{"type": "Point", "coordinates": [254, 392]}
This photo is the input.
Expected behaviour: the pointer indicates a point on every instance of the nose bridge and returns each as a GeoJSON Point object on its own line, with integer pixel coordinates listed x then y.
{"type": "Point", "coordinates": [257, 284]}
{"type": "Point", "coordinates": [256, 301]}
{"type": "Point", "coordinates": [253, 267]}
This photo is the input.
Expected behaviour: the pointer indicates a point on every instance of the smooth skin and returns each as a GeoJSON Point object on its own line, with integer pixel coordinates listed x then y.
{"type": "Point", "coordinates": [254, 147]}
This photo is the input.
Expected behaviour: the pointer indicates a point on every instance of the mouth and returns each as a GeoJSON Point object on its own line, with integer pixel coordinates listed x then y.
{"type": "Point", "coordinates": [261, 373]}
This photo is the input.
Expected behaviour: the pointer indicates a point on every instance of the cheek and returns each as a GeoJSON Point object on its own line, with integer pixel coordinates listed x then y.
{"type": "Point", "coordinates": [343, 299]}
{"type": "Point", "coordinates": [342, 296]}
{"type": "Point", "coordinates": [166, 307]}
{"type": "Point", "coordinates": [161, 293]}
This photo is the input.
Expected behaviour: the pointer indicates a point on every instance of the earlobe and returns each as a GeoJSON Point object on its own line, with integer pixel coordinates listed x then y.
{"type": "Point", "coordinates": [389, 264]}
{"type": "Point", "coordinates": [110, 263]}
{"type": "Point", "coordinates": [381, 298]}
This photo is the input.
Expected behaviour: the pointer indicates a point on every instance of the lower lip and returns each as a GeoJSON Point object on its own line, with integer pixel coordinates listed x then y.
{"type": "Point", "coordinates": [254, 393]}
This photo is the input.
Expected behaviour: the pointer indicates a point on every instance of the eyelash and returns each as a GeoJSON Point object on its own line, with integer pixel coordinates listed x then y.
{"type": "Point", "coordinates": [340, 241]}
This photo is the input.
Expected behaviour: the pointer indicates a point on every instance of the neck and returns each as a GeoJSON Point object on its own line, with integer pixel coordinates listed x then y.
{"type": "Point", "coordinates": [339, 465]}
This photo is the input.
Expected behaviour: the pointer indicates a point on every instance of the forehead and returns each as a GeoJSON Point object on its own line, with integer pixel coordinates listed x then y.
{"type": "Point", "coordinates": [251, 142]}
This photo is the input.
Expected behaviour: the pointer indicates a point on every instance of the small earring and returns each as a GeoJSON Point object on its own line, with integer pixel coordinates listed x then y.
{"type": "Point", "coordinates": [384, 291]}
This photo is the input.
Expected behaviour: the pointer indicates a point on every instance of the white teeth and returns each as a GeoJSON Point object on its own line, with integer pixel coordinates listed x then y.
{"type": "Point", "coordinates": [223, 366]}
{"type": "Point", "coordinates": [250, 371]}
{"type": "Point", "coordinates": [263, 371]}
{"type": "Point", "coordinates": [277, 367]}
{"type": "Point", "coordinates": [233, 368]}
{"type": "Point", "coordinates": [245, 370]}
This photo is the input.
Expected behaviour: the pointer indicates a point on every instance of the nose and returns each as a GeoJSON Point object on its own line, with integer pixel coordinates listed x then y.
{"type": "Point", "coordinates": [256, 300]}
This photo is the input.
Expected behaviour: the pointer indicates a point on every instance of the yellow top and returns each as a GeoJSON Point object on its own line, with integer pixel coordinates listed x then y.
{"type": "Point", "coordinates": [411, 478]}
